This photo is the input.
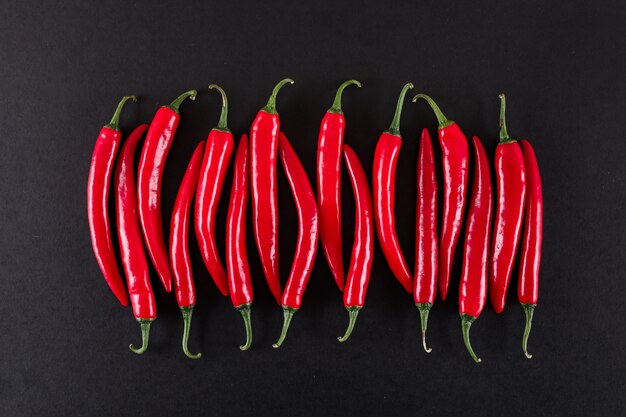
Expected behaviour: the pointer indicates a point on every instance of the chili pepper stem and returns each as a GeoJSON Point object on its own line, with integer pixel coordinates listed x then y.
{"type": "Point", "coordinates": [353, 312]}
{"type": "Point", "coordinates": [270, 107]}
{"type": "Point", "coordinates": [441, 119]}
{"type": "Point", "coordinates": [424, 309]}
{"type": "Point", "coordinates": [245, 313]}
{"type": "Point", "coordinates": [336, 107]}
{"type": "Point", "coordinates": [504, 134]}
{"type": "Point", "coordinates": [223, 122]}
{"type": "Point", "coordinates": [187, 313]}
{"type": "Point", "coordinates": [115, 120]}
{"type": "Point", "coordinates": [466, 323]}
{"type": "Point", "coordinates": [145, 336]}
{"type": "Point", "coordinates": [175, 105]}
{"type": "Point", "coordinates": [529, 309]}
{"type": "Point", "coordinates": [288, 313]}
{"type": "Point", "coordinates": [394, 128]}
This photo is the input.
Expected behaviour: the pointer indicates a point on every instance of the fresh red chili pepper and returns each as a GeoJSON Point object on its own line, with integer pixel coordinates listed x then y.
{"type": "Point", "coordinates": [98, 201]}
{"type": "Point", "coordinates": [150, 175]}
{"type": "Point", "coordinates": [179, 245]}
{"type": "Point", "coordinates": [306, 247]}
{"type": "Point", "coordinates": [363, 247]}
{"type": "Point", "coordinates": [473, 286]}
{"type": "Point", "coordinates": [528, 283]}
{"type": "Point", "coordinates": [263, 142]}
{"type": "Point", "coordinates": [385, 160]}
{"type": "Point", "coordinates": [426, 260]}
{"type": "Point", "coordinates": [329, 183]}
{"type": "Point", "coordinates": [455, 155]}
{"type": "Point", "coordinates": [219, 150]}
{"type": "Point", "coordinates": [131, 241]}
{"type": "Point", "coordinates": [239, 280]}
{"type": "Point", "coordinates": [511, 186]}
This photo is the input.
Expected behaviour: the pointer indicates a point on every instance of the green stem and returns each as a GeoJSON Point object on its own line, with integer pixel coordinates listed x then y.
{"type": "Point", "coordinates": [245, 313]}
{"type": "Point", "coordinates": [223, 122]}
{"type": "Point", "coordinates": [175, 105]}
{"type": "Point", "coordinates": [270, 107]}
{"type": "Point", "coordinates": [466, 323]}
{"type": "Point", "coordinates": [441, 119]}
{"type": "Point", "coordinates": [115, 120]}
{"type": "Point", "coordinates": [504, 134]}
{"type": "Point", "coordinates": [529, 309]}
{"type": "Point", "coordinates": [145, 336]}
{"type": "Point", "coordinates": [394, 128]}
{"type": "Point", "coordinates": [288, 313]}
{"type": "Point", "coordinates": [187, 313]}
{"type": "Point", "coordinates": [424, 309]}
{"type": "Point", "coordinates": [336, 107]}
{"type": "Point", "coordinates": [353, 312]}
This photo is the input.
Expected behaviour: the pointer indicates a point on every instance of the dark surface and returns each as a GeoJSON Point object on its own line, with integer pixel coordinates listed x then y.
{"type": "Point", "coordinates": [64, 337]}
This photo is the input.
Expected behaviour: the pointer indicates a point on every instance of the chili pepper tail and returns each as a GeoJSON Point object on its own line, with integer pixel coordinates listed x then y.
{"type": "Point", "coordinates": [466, 323]}
{"type": "Point", "coordinates": [353, 312]}
{"type": "Point", "coordinates": [288, 313]}
{"type": "Point", "coordinates": [529, 309]}
{"type": "Point", "coordinates": [187, 313]}
{"type": "Point", "coordinates": [424, 309]}
{"type": "Point", "coordinates": [245, 313]}
{"type": "Point", "coordinates": [145, 336]}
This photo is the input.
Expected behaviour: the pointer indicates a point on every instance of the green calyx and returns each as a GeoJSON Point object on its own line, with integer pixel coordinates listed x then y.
{"type": "Point", "coordinates": [270, 107]}
{"type": "Point", "coordinates": [504, 135]}
{"type": "Point", "coordinates": [175, 105]}
{"type": "Point", "coordinates": [187, 313]}
{"type": "Point", "coordinates": [245, 313]}
{"type": "Point", "coordinates": [441, 119]}
{"type": "Point", "coordinates": [394, 128]}
{"type": "Point", "coordinates": [529, 309]}
{"type": "Point", "coordinates": [115, 120]}
{"type": "Point", "coordinates": [223, 122]}
{"type": "Point", "coordinates": [353, 313]}
{"type": "Point", "coordinates": [336, 107]}
{"type": "Point", "coordinates": [288, 313]}
{"type": "Point", "coordinates": [145, 336]}
{"type": "Point", "coordinates": [424, 309]}
{"type": "Point", "coordinates": [466, 323]}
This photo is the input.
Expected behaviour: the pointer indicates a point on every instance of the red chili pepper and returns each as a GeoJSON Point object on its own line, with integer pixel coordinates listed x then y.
{"type": "Point", "coordinates": [511, 186]}
{"type": "Point", "coordinates": [426, 260]}
{"type": "Point", "coordinates": [363, 247]}
{"type": "Point", "coordinates": [454, 160]}
{"type": "Point", "coordinates": [98, 199]}
{"type": "Point", "coordinates": [329, 183]}
{"type": "Point", "coordinates": [150, 175]}
{"type": "Point", "coordinates": [131, 241]}
{"type": "Point", "coordinates": [263, 142]}
{"type": "Point", "coordinates": [237, 267]}
{"type": "Point", "coordinates": [473, 287]}
{"type": "Point", "coordinates": [385, 160]}
{"type": "Point", "coordinates": [306, 247]}
{"type": "Point", "coordinates": [219, 150]}
{"type": "Point", "coordinates": [528, 283]}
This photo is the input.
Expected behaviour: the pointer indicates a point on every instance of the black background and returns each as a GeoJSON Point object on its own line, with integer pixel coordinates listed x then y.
{"type": "Point", "coordinates": [64, 337]}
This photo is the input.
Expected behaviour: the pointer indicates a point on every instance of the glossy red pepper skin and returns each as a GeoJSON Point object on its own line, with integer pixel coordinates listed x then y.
{"type": "Point", "coordinates": [511, 192]}
{"type": "Point", "coordinates": [149, 179]}
{"type": "Point", "coordinates": [239, 280]}
{"type": "Point", "coordinates": [179, 244]}
{"type": "Point", "coordinates": [308, 231]}
{"type": "Point", "coordinates": [263, 150]}
{"type": "Point", "coordinates": [329, 145]}
{"type": "Point", "coordinates": [98, 184]}
{"type": "Point", "coordinates": [219, 150]}
{"type": "Point", "coordinates": [426, 244]}
{"type": "Point", "coordinates": [384, 173]}
{"type": "Point", "coordinates": [474, 278]}
{"type": "Point", "coordinates": [363, 247]}
{"type": "Point", "coordinates": [530, 258]}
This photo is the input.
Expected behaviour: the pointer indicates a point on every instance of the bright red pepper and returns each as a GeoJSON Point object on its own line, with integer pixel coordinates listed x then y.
{"type": "Point", "coordinates": [473, 286]}
{"type": "Point", "coordinates": [455, 155]}
{"type": "Point", "coordinates": [98, 202]}
{"type": "Point", "coordinates": [426, 260]}
{"type": "Point", "coordinates": [131, 241]}
{"type": "Point", "coordinates": [239, 280]}
{"type": "Point", "coordinates": [219, 150]}
{"type": "Point", "coordinates": [179, 245]}
{"type": "Point", "coordinates": [363, 247]}
{"type": "Point", "coordinates": [530, 259]}
{"type": "Point", "coordinates": [263, 143]}
{"type": "Point", "coordinates": [308, 231]}
{"type": "Point", "coordinates": [511, 186]}
{"type": "Point", "coordinates": [385, 160]}
{"type": "Point", "coordinates": [329, 183]}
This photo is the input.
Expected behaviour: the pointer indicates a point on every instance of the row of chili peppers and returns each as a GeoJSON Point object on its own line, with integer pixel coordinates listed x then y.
{"type": "Point", "coordinates": [487, 266]}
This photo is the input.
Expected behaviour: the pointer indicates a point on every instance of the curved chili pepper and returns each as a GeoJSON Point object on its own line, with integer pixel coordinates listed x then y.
{"type": "Point", "coordinates": [131, 241]}
{"type": "Point", "coordinates": [239, 280]}
{"type": "Point", "coordinates": [98, 200]}
{"type": "Point", "coordinates": [263, 142]}
{"type": "Point", "coordinates": [329, 183]}
{"type": "Point", "coordinates": [528, 283]}
{"type": "Point", "coordinates": [473, 286]}
{"type": "Point", "coordinates": [306, 247]}
{"type": "Point", "coordinates": [455, 155]}
{"type": "Point", "coordinates": [219, 150]}
{"type": "Point", "coordinates": [363, 247]}
{"type": "Point", "coordinates": [179, 245]}
{"type": "Point", "coordinates": [511, 186]}
{"type": "Point", "coordinates": [150, 175]}
{"type": "Point", "coordinates": [385, 160]}
{"type": "Point", "coordinates": [426, 260]}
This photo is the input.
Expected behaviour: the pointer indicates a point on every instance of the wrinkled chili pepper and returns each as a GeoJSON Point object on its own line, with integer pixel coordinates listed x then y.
{"type": "Point", "coordinates": [98, 183]}
{"type": "Point", "coordinates": [219, 150]}
{"type": "Point", "coordinates": [329, 183]}
{"type": "Point", "coordinates": [455, 155]}
{"type": "Point", "coordinates": [131, 241]}
{"type": "Point", "coordinates": [306, 247]}
{"type": "Point", "coordinates": [237, 267]}
{"type": "Point", "coordinates": [511, 189]}
{"type": "Point", "coordinates": [263, 143]}
{"type": "Point", "coordinates": [179, 245]}
{"type": "Point", "coordinates": [385, 160]}
{"type": "Point", "coordinates": [149, 179]}
{"type": "Point", "coordinates": [473, 286]}
{"type": "Point", "coordinates": [363, 247]}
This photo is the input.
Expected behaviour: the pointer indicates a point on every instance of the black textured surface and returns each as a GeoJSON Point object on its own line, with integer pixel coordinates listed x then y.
{"type": "Point", "coordinates": [64, 337]}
